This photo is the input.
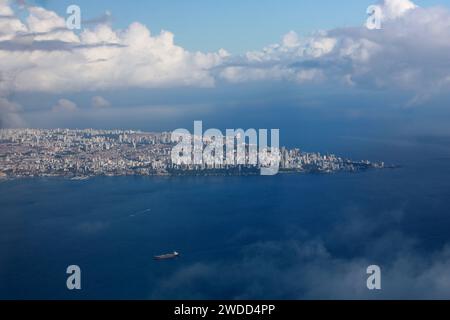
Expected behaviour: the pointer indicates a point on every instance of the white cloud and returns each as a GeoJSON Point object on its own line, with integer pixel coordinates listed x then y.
{"type": "Point", "coordinates": [42, 20]}
{"type": "Point", "coordinates": [410, 52]}
{"type": "Point", "coordinates": [41, 55]}
{"type": "Point", "coordinates": [309, 75]}
{"type": "Point", "coordinates": [5, 9]}
{"type": "Point", "coordinates": [290, 39]}
{"type": "Point", "coordinates": [65, 105]}
{"type": "Point", "coordinates": [318, 47]}
{"type": "Point", "coordinates": [392, 9]}
{"type": "Point", "coordinates": [99, 102]}
{"type": "Point", "coordinates": [10, 114]}
{"type": "Point", "coordinates": [10, 26]}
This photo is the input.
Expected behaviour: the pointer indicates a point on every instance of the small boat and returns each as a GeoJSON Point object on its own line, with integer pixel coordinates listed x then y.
{"type": "Point", "coordinates": [167, 256]}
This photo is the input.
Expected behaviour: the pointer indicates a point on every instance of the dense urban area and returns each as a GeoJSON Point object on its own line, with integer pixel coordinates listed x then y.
{"type": "Point", "coordinates": [79, 154]}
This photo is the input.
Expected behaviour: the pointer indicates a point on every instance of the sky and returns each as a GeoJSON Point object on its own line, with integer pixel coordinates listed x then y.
{"type": "Point", "coordinates": [312, 69]}
{"type": "Point", "coordinates": [237, 26]}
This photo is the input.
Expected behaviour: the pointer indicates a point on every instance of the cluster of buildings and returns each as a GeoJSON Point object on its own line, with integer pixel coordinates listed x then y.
{"type": "Point", "coordinates": [315, 162]}
{"type": "Point", "coordinates": [90, 152]}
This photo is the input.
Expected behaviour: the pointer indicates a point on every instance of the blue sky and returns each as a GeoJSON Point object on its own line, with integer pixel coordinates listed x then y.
{"type": "Point", "coordinates": [345, 80]}
{"type": "Point", "coordinates": [235, 25]}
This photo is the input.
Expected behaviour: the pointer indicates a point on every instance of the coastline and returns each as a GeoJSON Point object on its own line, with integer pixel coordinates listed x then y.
{"type": "Point", "coordinates": [196, 173]}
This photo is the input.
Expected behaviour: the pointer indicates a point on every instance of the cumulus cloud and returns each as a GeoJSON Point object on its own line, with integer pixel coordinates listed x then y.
{"type": "Point", "coordinates": [393, 9]}
{"type": "Point", "coordinates": [55, 59]}
{"type": "Point", "coordinates": [410, 52]}
{"type": "Point", "coordinates": [98, 102]}
{"type": "Point", "coordinates": [65, 105]}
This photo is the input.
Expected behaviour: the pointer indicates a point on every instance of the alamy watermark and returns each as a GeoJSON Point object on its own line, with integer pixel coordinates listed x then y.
{"type": "Point", "coordinates": [375, 14]}
{"type": "Point", "coordinates": [74, 280]}
{"type": "Point", "coordinates": [374, 279]}
{"type": "Point", "coordinates": [73, 21]}
{"type": "Point", "coordinates": [212, 149]}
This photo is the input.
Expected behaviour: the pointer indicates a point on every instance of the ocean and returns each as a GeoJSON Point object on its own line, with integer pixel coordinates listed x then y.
{"type": "Point", "coordinates": [289, 236]}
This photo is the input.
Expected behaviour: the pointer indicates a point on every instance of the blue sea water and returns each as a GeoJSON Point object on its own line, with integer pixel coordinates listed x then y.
{"type": "Point", "coordinates": [290, 236]}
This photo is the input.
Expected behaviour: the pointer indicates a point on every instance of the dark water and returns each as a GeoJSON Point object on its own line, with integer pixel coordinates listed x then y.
{"type": "Point", "coordinates": [288, 236]}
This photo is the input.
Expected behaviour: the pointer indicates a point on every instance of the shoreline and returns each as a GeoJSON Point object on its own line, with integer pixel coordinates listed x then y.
{"type": "Point", "coordinates": [195, 174]}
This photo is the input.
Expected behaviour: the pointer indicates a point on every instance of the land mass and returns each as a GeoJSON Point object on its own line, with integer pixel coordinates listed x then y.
{"type": "Point", "coordinates": [79, 154]}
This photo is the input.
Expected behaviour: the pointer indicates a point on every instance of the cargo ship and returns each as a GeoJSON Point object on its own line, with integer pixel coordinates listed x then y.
{"type": "Point", "coordinates": [167, 256]}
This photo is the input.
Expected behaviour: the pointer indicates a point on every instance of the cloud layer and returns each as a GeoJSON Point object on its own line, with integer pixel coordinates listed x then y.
{"type": "Point", "coordinates": [408, 53]}
{"type": "Point", "coordinates": [316, 267]}
{"type": "Point", "coordinates": [39, 54]}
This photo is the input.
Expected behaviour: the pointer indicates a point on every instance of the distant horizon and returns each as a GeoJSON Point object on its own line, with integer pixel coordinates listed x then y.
{"type": "Point", "coordinates": [116, 72]}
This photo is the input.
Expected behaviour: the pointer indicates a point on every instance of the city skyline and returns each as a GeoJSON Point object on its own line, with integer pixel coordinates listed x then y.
{"type": "Point", "coordinates": [346, 79]}
{"type": "Point", "coordinates": [84, 153]}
